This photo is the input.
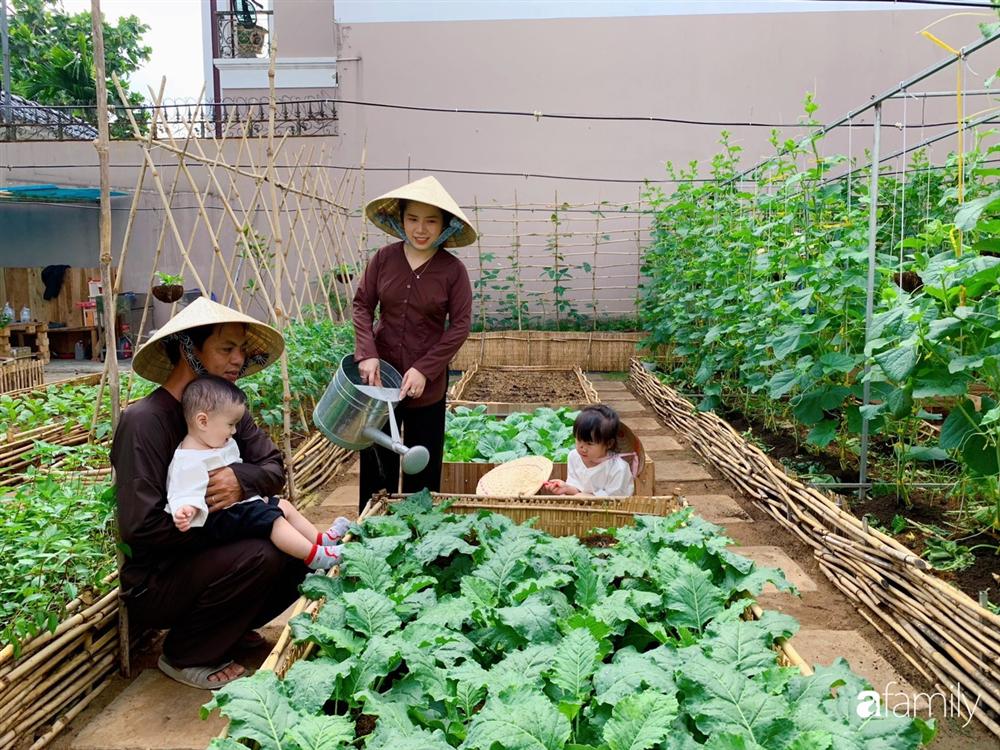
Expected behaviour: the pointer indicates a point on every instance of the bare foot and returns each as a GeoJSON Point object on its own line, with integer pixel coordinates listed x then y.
{"type": "Point", "coordinates": [231, 672]}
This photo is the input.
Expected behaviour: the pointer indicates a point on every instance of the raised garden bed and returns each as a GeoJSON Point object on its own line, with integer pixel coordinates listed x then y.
{"type": "Point", "coordinates": [505, 390]}
{"type": "Point", "coordinates": [494, 635]}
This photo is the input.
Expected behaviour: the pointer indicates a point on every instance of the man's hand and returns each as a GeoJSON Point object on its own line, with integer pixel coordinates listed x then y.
{"type": "Point", "coordinates": [223, 489]}
{"type": "Point", "coordinates": [413, 385]}
{"type": "Point", "coordinates": [183, 517]}
{"type": "Point", "coordinates": [370, 372]}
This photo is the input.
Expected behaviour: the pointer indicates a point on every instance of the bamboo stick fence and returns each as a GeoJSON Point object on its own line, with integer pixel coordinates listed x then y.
{"type": "Point", "coordinates": [21, 374]}
{"type": "Point", "coordinates": [952, 641]}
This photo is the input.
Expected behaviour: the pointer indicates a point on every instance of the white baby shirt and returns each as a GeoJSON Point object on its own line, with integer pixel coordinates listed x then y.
{"type": "Point", "coordinates": [612, 477]}
{"type": "Point", "coordinates": [187, 477]}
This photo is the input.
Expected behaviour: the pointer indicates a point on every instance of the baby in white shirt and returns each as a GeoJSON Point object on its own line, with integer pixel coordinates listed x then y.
{"type": "Point", "coordinates": [594, 466]}
{"type": "Point", "coordinates": [213, 407]}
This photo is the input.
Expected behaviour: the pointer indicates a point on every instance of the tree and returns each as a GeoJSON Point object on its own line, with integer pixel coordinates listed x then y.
{"type": "Point", "coordinates": [52, 59]}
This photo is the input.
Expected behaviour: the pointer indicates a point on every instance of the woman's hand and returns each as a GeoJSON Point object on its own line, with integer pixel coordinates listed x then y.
{"type": "Point", "coordinates": [370, 373]}
{"type": "Point", "coordinates": [413, 385]}
{"type": "Point", "coordinates": [223, 489]}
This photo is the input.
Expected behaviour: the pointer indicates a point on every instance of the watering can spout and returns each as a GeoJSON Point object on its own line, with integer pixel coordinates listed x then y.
{"type": "Point", "coordinates": [414, 460]}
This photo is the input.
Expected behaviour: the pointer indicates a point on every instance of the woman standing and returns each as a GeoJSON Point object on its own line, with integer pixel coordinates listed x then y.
{"type": "Point", "coordinates": [424, 300]}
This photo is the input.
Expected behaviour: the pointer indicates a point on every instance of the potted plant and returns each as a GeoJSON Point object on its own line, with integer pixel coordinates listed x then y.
{"type": "Point", "coordinates": [170, 288]}
{"type": "Point", "coordinates": [344, 272]}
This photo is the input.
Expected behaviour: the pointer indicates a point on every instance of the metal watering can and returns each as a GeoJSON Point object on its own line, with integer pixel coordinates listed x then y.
{"type": "Point", "coordinates": [352, 414]}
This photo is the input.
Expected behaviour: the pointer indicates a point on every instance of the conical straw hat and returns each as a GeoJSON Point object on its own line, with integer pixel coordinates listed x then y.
{"type": "Point", "coordinates": [152, 362]}
{"type": "Point", "coordinates": [522, 476]}
{"type": "Point", "coordinates": [425, 190]}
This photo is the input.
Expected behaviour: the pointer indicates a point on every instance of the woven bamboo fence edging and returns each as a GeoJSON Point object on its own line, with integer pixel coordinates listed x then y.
{"type": "Point", "coordinates": [57, 674]}
{"type": "Point", "coordinates": [949, 639]}
{"type": "Point", "coordinates": [559, 516]}
{"type": "Point", "coordinates": [457, 392]}
{"type": "Point", "coordinates": [594, 351]}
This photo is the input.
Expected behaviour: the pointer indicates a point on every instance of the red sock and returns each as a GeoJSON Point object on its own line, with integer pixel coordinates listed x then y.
{"type": "Point", "coordinates": [312, 554]}
{"type": "Point", "coordinates": [319, 538]}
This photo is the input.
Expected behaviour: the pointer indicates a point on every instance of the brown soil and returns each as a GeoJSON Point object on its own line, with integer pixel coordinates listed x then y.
{"type": "Point", "coordinates": [364, 725]}
{"type": "Point", "coordinates": [529, 387]}
{"type": "Point", "coordinates": [924, 507]}
{"type": "Point", "coordinates": [598, 540]}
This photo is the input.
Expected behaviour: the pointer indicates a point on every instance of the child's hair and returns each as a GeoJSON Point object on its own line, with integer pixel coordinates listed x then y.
{"type": "Point", "coordinates": [598, 423]}
{"type": "Point", "coordinates": [210, 393]}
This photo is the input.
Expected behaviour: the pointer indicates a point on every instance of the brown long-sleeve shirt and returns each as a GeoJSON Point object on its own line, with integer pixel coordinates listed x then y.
{"type": "Point", "coordinates": [424, 315]}
{"type": "Point", "coordinates": [144, 443]}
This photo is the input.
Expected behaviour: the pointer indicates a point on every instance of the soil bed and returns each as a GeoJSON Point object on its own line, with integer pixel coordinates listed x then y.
{"type": "Point", "coordinates": [925, 507]}
{"type": "Point", "coordinates": [551, 386]}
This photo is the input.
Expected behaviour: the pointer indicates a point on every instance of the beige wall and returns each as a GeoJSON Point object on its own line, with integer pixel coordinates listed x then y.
{"type": "Point", "coordinates": [708, 67]}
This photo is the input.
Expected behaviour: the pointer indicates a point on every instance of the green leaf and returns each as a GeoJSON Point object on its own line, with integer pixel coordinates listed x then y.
{"type": "Point", "coordinates": [823, 433]}
{"type": "Point", "coordinates": [969, 212]}
{"type": "Point", "coordinates": [962, 422]}
{"type": "Point", "coordinates": [533, 619]}
{"type": "Point", "coordinates": [523, 667]}
{"type": "Point", "coordinates": [441, 542]}
{"type": "Point", "coordinates": [501, 570]}
{"type": "Point", "coordinates": [520, 720]}
{"type": "Point", "coordinates": [370, 569]}
{"type": "Point", "coordinates": [320, 586]}
{"type": "Point", "coordinates": [256, 708]}
{"type": "Point", "coordinates": [312, 682]}
{"type": "Point", "coordinates": [721, 699]}
{"type": "Point", "coordinates": [370, 613]}
{"type": "Point", "coordinates": [693, 599]}
{"type": "Point", "coordinates": [322, 733]}
{"type": "Point", "coordinates": [898, 363]}
{"type": "Point", "coordinates": [576, 660]}
{"type": "Point", "coordinates": [627, 674]}
{"type": "Point", "coordinates": [640, 722]}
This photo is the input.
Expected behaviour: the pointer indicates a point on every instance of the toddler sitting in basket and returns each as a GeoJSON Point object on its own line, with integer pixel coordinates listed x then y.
{"type": "Point", "coordinates": [213, 407]}
{"type": "Point", "coordinates": [594, 466]}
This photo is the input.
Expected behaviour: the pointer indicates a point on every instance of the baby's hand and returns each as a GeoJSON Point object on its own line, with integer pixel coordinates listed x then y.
{"type": "Point", "coordinates": [559, 487]}
{"type": "Point", "coordinates": [183, 517]}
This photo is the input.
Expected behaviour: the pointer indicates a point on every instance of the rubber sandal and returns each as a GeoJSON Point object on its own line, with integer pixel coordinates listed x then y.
{"type": "Point", "coordinates": [196, 677]}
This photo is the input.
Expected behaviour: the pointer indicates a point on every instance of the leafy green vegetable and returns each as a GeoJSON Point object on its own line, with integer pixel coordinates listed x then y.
{"type": "Point", "coordinates": [515, 639]}
{"type": "Point", "coordinates": [472, 435]}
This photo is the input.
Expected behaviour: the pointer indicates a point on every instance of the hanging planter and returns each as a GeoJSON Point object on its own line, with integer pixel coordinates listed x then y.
{"type": "Point", "coordinates": [170, 288]}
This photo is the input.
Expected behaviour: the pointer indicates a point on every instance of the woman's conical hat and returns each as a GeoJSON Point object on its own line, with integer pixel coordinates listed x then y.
{"type": "Point", "coordinates": [152, 362]}
{"type": "Point", "coordinates": [522, 476]}
{"type": "Point", "coordinates": [425, 190]}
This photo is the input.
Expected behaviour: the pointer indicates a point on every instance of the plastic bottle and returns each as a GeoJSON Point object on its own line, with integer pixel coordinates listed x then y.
{"type": "Point", "coordinates": [78, 351]}
{"type": "Point", "coordinates": [8, 312]}
{"type": "Point", "coordinates": [25, 314]}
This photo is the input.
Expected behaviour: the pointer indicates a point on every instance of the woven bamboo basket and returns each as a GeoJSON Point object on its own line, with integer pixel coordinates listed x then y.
{"type": "Point", "coordinates": [559, 516]}
{"type": "Point", "coordinates": [595, 351]}
{"type": "Point", "coordinates": [951, 640]}
{"type": "Point", "coordinates": [457, 393]}
{"type": "Point", "coordinates": [462, 478]}
{"type": "Point", "coordinates": [21, 374]}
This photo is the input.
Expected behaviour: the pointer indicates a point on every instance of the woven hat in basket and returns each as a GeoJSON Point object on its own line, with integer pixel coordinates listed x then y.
{"type": "Point", "coordinates": [522, 476]}
{"type": "Point", "coordinates": [383, 212]}
{"type": "Point", "coordinates": [264, 344]}
{"type": "Point", "coordinates": [628, 443]}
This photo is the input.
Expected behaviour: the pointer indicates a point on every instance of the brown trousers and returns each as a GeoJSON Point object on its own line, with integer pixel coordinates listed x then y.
{"type": "Point", "coordinates": [209, 600]}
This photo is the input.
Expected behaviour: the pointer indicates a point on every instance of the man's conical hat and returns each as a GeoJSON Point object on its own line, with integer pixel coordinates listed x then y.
{"type": "Point", "coordinates": [152, 362]}
{"type": "Point", "coordinates": [425, 190]}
